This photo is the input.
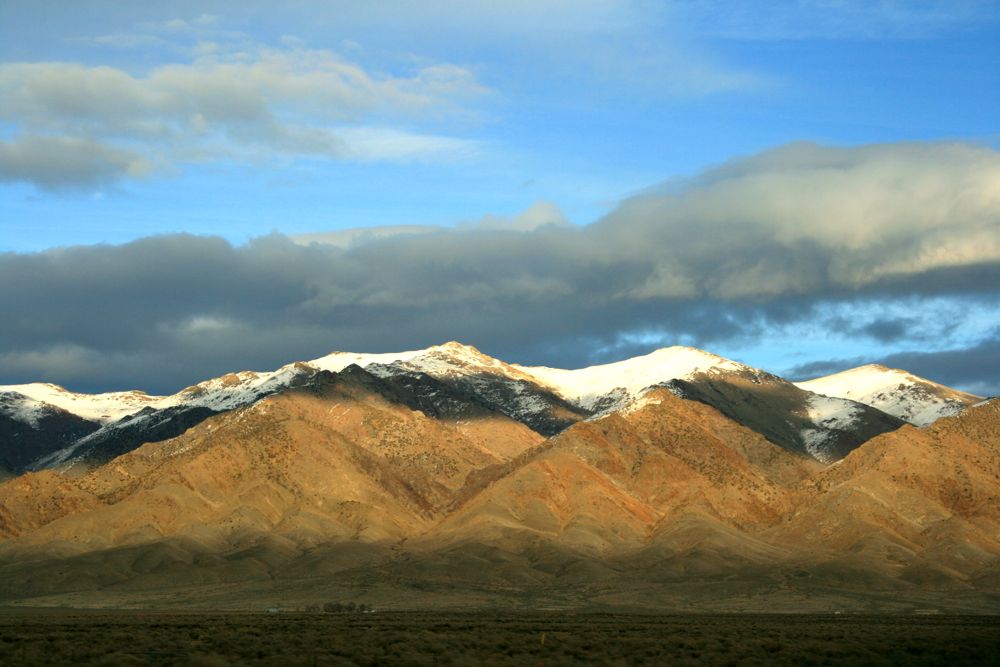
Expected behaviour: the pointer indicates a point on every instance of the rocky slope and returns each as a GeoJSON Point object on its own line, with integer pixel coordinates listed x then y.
{"type": "Point", "coordinates": [918, 505]}
{"type": "Point", "coordinates": [345, 459]}
{"type": "Point", "coordinates": [31, 430]}
{"type": "Point", "coordinates": [800, 421]}
{"type": "Point", "coordinates": [613, 483]}
{"type": "Point", "coordinates": [399, 479]}
{"type": "Point", "coordinates": [46, 427]}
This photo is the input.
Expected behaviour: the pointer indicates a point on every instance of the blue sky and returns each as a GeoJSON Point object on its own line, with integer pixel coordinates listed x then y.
{"type": "Point", "coordinates": [120, 121]}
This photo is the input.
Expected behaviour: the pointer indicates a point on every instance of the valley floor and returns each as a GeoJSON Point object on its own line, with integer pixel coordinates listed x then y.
{"type": "Point", "coordinates": [57, 637]}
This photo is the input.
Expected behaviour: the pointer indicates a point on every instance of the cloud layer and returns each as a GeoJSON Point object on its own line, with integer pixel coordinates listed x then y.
{"type": "Point", "coordinates": [81, 126]}
{"type": "Point", "coordinates": [730, 255]}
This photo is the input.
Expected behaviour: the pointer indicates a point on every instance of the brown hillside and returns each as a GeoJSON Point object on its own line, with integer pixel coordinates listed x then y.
{"type": "Point", "coordinates": [611, 484]}
{"type": "Point", "coordinates": [915, 502]}
{"type": "Point", "coordinates": [347, 485]}
{"type": "Point", "coordinates": [311, 465]}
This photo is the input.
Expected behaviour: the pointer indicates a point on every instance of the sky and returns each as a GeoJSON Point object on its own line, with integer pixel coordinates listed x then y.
{"type": "Point", "coordinates": [191, 188]}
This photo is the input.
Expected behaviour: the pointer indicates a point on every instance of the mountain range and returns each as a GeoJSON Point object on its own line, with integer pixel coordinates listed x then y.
{"type": "Point", "coordinates": [445, 476]}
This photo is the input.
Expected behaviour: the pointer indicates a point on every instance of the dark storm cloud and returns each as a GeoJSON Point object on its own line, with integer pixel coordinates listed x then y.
{"type": "Point", "coordinates": [976, 367]}
{"type": "Point", "coordinates": [821, 367]}
{"type": "Point", "coordinates": [756, 244]}
{"type": "Point", "coordinates": [888, 330]}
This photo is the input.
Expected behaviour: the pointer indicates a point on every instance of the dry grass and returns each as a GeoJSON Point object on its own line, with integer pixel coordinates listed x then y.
{"type": "Point", "coordinates": [426, 638]}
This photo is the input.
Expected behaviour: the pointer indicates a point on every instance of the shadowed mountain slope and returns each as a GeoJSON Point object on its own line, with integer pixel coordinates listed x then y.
{"type": "Point", "coordinates": [30, 430]}
{"type": "Point", "coordinates": [797, 420]}
{"type": "Point", "coordinates": [125, 420]}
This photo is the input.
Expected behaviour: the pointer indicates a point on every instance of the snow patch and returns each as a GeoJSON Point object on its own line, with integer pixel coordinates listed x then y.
{"type": "Point", "coordinates": [338, 361]}
{"type": "Point", "coordinates": [23, 408]}
{"type": "Point", "coordinates": [830, 415]}
{"type": "Point", "coordinates": [588, 386]}
{"type": "Point", "coordinates": [648, 397]}
{"type": "Point", "coordinates": [896, 392]}
{"type": "Point", "coordinates": [102, 408]}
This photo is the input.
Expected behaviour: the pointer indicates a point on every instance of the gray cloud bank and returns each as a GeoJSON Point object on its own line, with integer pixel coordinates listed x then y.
{"type": "Point", "coordinates": [732, 254]}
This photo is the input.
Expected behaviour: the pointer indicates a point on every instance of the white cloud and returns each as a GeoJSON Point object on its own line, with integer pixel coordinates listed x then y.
{"type": "Point", "coordinates": [358, 236]}
{"type": "Point", "coordinates": [383, 143]}
{"type": "Point", "coordinates": [540, 214]}
{"type": "Point", "coordinates": [612, 47]}
{"type": "Point", "coordinates": [249, 104]}
{"type": "Point", "coordinates": [801, 216]}
{"type": "Point", "coordinates": [204, 324]}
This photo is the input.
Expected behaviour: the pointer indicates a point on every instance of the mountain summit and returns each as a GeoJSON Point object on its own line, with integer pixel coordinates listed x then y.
{"type": "Point", "coordinates": [44, 426]}
{"type": "Point", "coordinates": [431, 480]}
{"type": "Point", "coordinates": [592, 385]}
{"type": "Point", "coordinates": [898, 393]}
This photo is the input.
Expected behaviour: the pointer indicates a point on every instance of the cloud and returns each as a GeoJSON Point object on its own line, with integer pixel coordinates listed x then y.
{"type": "Point", "coordinates": [55, 163]}
{"type": "Point", "coordinates": [804, 218]}
{"type": "Point", "coordinates": [755, 246]}
{"type": "Point", "coordinates": [371, 144]}
{"type": "Point", "coordinates": [612, 48]}
{"type": "Point", "coordinates": [971, 367]}
{"type": "Point", "coordinates": [357, 236]}
{"type": "Point", "coordinates": [174, 25]}
{"type": "Point", "coordinates": [890, 329]}
{"type": "Point", "coordinates": [125, 40]}
{"type": "Point", "coordinates": [253, 103]}
{"type": "Point", "coordinates": [538, 215]}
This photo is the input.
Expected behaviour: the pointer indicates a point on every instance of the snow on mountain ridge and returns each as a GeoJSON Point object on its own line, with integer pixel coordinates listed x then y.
{"type": "Point", "coordinates": [21, 407]}
{"type": "Point", "coordinates": [831, 414]}
{"type": "Point", "coordinates": [545, 399]}
{"type": "Point", "coordinates": [896, 392]}
{"type": "Point", "coordinates": [502, 386]}
{"type": "Point", "coordinates": [455, 359]}
{"type": "Point", "coordinates": [338, 361]}
{"type": "Point", "coordinates": [102, 408]}
{"type": "Point", "coordinates": [587, 386]}
{"type": "Point", "coordinates": [221, 393]}
{"type": "Point", "coordinates": [599, 389]}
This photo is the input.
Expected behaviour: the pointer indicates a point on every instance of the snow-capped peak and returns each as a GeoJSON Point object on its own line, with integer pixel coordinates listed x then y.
{"type": "Point", "coordinates": [583, 386]}
{"type": "Point", "coordinates": [338, 361]}
{"type": "Point", "coordinates": [456, 359]}
{"type": "Point", "coordinates": [101, 408]}
{"type": "Point", "coordinates": [901, 394]}
{"type": "Point", "coordinates": [438, 360]}
{"type": "Point", "coordinates": [236, 389]}
{"type": "Point", "coordinates": [860, 381]}
{"type": "Point", "coordinates": [586, 386]}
